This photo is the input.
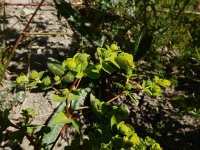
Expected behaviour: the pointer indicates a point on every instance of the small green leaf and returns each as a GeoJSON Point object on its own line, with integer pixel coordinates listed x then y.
{"type": "Point", "coordinates": [41, 74]}
{"type": "Point", "coordinates": [73, 96]}
{"type": "Point", "coordinates": [132, 98]}
{"type": "Point", "coordinates": [162, 82]}
{"type": "Point", "coordinates": [56, 68]}
{"type": "Point", "coordinates": [81, 57]}
{"type": "Point", "coordinates": [31, 129]}
{"type": "Point", "coordinates": [107, 68]}
{"type": "Point", "coordinates": [128, 86]}
{"type": "Point", "coordinates": [125, 61]}
{"type": "Point", "coordinates": [32, 84]}
{"type": "Point", "coordinates": [34, 75]}
{"type": "Point", "coordinates": [93, 73]}
{"type": "Point", "coordinates": [156, 146]}
{"type": "Point", "coordinates": [21, 79]}
{"type": "Point", "coordinates": [69, 63]}
{"type": "Point", "coordinates": [76, 125]}
{"type": "Point", "coordinates": [46, 81]}
{"type": "Point", "coordinates": [57, 78]}
{"type": "Point", "coordinates": [113, 121]}
{"type": "Point", "coordinates": [112, 59]}
{"type": "Point", "coordinates": [114, 47]}
{"type": "Point", "coordinates": [69, 77]}
{"type": "Point", "coordinates": [58, 98]}
{"type": "Point", "coordinates": [61, 118]}
{"type": "Point", "coordinates": [64, 92]}
{"type": "Point", "coordinates": [119, 85]}
{"type": "Point", "coordinates": [149, 141]}
{"type": "Point", "coordinates": [100, 51]}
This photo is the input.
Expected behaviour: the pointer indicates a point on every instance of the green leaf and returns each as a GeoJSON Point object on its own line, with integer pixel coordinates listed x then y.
{"type": "Point", "coordinates": [30, 129]}
{"type": "Point", "coordinates": [56, 68]}
{"type": "Point", "coordinates": [74, 95]}
{"type": "Point", "coordinates": [69, 63]}
{"type": "Point", "coordinates": [29, 113]}
{"type": "Point", "coordinates": [125, 61]}
{"type": "Point", "coordinates": [148, 91]}
{"type": "Point", "coordinates": [21, 79]}
{"type": "Point", "coordinates": [125, 129]}
{"type": "Point", "coordinates": [69, 77]}
{"type": "Point", "coordinates": [132, 98]}
{"type": "Point", "coordinates": [34, 75]}
{"type": "Point", "coordinates": [96, 104]}
{"type": "Point", "coordinates": [121, 112]}
{"type": "Point", "coordinates": [41, 74]}
{"type": "Point", "coordinates": [114, 47]}
{"type": "Point", "coordinates": [58, 98]}
{"type": "Point", "coordinates": [100, 51]}
{"type": "Point", "coordinates": [32, 84]}
{"type": "Point", "coordinates": [149, 141]}
{"type": "Point", "coordinates": [113, 121]}
{"type": "Point", "coordinates": [119, 85]}
{"type": "Point", "coordinates": [93, 73]}
{"type": "Point", "coordinates": [52, 129]}
{"type": "Point", "coordinates": [162, 82]}
{"type": "Point", "coordinates": [61, 118]}
{"type": "Point", "coordinates": [112, 59]}
{"type": "Point", "coordinates": [81, 57]}
{"type": "Point", "coordinates": [156, 146]}
{"type": "Point", "coordinates": [79, 103]}
{"type": "Point", "coordinates": [76, 125]}
{"type": "Point", "coordinates": [46, 83]}
{"type": "Point", "coordinates": [107, 68]}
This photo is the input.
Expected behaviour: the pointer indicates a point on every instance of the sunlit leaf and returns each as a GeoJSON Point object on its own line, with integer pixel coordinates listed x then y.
{"type": "Point", "coordinates": [107, 68]}
{"type": "Point", "coordinates": [56, 68]}
{"type": "Point", "coordinates": [58, 98]}
{"type": "Point", "coordinates": [62, 119]}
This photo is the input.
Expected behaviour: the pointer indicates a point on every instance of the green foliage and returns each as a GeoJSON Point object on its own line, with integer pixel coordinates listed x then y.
{"type": "Point", "coordinates": [154, 88]}
{"type": "Point", "coordinates": [110, 129]}
{"type": "Point", "coordinates": [119, 135]}
{"type": "Point", "coordinates": [135, 26]}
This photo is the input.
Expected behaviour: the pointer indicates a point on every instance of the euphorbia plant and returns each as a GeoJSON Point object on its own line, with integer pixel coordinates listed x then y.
{"type": "Point", "coordinates": [65, 83]}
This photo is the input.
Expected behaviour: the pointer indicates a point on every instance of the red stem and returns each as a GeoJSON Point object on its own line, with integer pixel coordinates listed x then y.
{"type": "Point", "coordinates": [67, 111]}
{"type": "Point", "coordinates": [61, 132]}
{"type": "Point", "coordinates": [67, 107]}
{"type": "Point", "coordinates": [19, 39]}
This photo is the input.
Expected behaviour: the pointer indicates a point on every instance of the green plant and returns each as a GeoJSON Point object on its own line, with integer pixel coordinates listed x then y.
{"type": "Point", "coordinates": [73, 101]}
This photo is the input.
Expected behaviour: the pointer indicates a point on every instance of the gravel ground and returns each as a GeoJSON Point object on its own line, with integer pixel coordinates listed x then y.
{"type": "Point", "coordinates": [178, 133]}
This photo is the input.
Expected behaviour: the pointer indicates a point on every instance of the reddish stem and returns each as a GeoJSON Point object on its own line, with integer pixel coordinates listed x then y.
{"type": "Point", "coordinates": [61, 132]}
{"type": "Point", "coordinates": [19, 39]}
{"type": "Point", "coordinates": [67, 111]}
{"type": "Point", "coordinates": [79, 80]}
{"type": "Point", "coordinates": [67, 107]}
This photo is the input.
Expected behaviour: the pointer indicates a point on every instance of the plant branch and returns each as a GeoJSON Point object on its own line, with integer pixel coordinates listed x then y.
{"type": "Point", "coordinates": [44, 33]}
{"type": "Point", "coordinates": [67, 107]}
{"type": "Point", "coordinates": [114, 98]}
{"type": "Point", "coordinates": [79, 80]}
{"type": "Point", "coordinates": [61, 132]}
{"type": "Point", "coordinates": [19, 40]}
{"type": "Point", "coordinates": [67, 110]}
